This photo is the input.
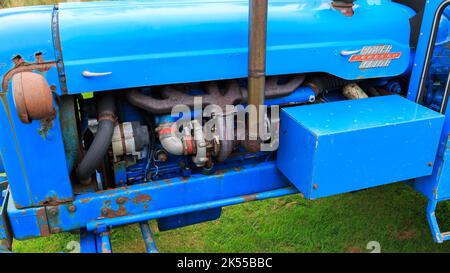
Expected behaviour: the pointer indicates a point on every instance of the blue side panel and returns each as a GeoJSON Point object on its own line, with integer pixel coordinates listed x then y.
{"type": "Point", "coordinates": [34, 220]}
{"type": "Point", "coordinates": [142, 43]}
{"type": "Point", "coordinates": [187, 219]}
{"type": "Point", "coordinates": [353, 145]}
{"type": "Point", "coordinates": [33, 158]}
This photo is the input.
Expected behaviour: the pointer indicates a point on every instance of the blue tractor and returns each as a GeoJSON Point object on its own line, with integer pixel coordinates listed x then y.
{"type": "Point", "coordinates": [117, 113]}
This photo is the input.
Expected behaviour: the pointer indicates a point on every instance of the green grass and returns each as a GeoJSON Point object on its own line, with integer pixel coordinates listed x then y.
{"type": "Point", "coordinates": [392, 215]}
{"type": "Point", "coordinates": [19, 3]}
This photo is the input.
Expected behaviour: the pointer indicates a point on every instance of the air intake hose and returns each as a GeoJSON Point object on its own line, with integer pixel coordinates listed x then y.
{"type": "Point", "coordinates": [107, 118]}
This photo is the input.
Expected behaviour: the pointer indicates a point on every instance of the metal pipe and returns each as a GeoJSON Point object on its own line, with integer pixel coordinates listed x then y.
{"type": "Point", "coordinates": [257, 51]}
{"type": "Point", "coordinates": [257, 57]}
{"type": "Point", "coordinates": [147, 235]}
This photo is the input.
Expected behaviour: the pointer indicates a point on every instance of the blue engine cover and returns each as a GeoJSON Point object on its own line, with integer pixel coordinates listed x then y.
{"type": "Point", "coordinates": [163, 42]}
{"type": "Point", "coordinates": [338, 147]}
{"type": "Point", "coordinates": [34, 161]}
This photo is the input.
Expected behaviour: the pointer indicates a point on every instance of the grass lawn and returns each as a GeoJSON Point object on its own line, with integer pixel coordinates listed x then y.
{"type": "Point", "coordinates": [392, 215]}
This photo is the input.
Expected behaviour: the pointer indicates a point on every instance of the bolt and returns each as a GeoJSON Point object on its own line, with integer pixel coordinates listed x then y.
{"type": "Point", "coordinates": [316, 186]}
{"type": "Point", "coordinates": [430, 164]}
{"type": "Point", "coordinates": [162, 156]}
{"type": "Point", "coordinates": [104, 211]}
{"type": "Point", "coordinates": [72, 208]}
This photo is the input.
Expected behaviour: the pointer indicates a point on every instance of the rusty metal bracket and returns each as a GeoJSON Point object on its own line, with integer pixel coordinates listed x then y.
{"type": "Point", "coordinates": [58, 50]}
{"type": "Point", "coordinates": [24, 67]}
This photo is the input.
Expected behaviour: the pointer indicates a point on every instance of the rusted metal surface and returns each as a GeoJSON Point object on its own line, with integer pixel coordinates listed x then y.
{"type": "Point", "coordinates": [230, 94]}
{"type": "Point", "coordinates": [129, 204]}
{"type": "Point", "coordinates": [58, 50]}
{"type": "Point", "coordinates": [345, 7]}
{"type": "Point", "coordinates": [257, 51]}
{"type": "Point", "coordinates": [352, 91]}
{"type": "Point", "coordinates": [251, 197]}
{"type": "Point", "coordinates": [257, 61]}
{"type": "Point", "coordinates": [108, 212]}
{"type": "Point", "coordinates": [43, 222]}
{"type": "Point", "coordinates": [142, 199]}
{"type": "Point", "coordinates": [148, 237]}
{"type": "Point", "coordinates": [68, 122]}
{"type": "Point", "coordinates": [25, 67]}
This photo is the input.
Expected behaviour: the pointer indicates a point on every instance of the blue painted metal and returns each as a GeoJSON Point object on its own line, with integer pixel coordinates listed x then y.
{"type": "Point", "coordinates": [156, 50]}
{"type": "Point", "coordinates": [301, 95]}
{"type": "Point", "coordinates": [155, 199]}
{"type": "Point", "coordinates": [88, 242]}
{"type": "Point", "coordinates": [114, 222]}
{"type": "Point", "coordinates": [33, 220]}
{"type": "Point", "coordinates": [6, 235]}
{"type": "Point", "coordinates": [438, 236]}
{"type": "Point", "coordinates": [2, 167]}
{"type": "Point", "coordinates": [425, 45]}
{"type": "Point", "coordinates": [143, 44]}
{"type": "Point", "coordinates": [338, 147]}
{"type": "Point", "coordinates": [187, 219]}
{"type": "Point", "coordinates": [95, 242]}
{"type": "Point", "coordinates": [120, 173]}
{"type": "Point", "coordinates": [147, 235]}
{"type": "Point", "coordinates": [28, 155]}
{"type": "Point", "coordinates": [104, 242]}
{"type": "Point", "coordinates": [437, 186]}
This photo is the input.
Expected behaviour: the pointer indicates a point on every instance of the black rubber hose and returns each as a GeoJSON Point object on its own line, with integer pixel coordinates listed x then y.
{"type": "Point", "coordinates": [106, 109]}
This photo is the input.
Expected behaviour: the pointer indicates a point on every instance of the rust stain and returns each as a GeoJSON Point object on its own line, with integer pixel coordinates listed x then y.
{"type": "Point", "coordinates": [25, 67]}
{"type": "Point", "coordinates": [157, 184]}
{"type": "Point", "coordinates": [105, 248]}
{"type": "Point", "coordinates": [122, 200]}
{"type": "Point", "coordinates": [238, 169]}
{"type": "Point", "coordinates": [185, 179]}
{"type": "Point", "coordinates": [85, 200]}
{"type": "Point", "coordinates": [42, 222]}
{"type": "Point", "coordinates": [121, 211]}
{"type": "Point", "coordinates": [220, 173]}
{"type": "Point", "coordinates": [142, 198]}
{"type": "Point", "coordinates": [249, 198]}
{"type": "Point", "coordinates": [168, 182]}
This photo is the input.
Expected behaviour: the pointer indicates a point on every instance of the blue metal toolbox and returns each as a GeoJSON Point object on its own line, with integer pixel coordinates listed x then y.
{"type": "Point", "coordinates": [332, 148]}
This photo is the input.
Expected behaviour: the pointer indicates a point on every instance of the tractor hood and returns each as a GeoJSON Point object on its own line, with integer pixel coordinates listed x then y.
{"type": "Point", "coordinates": [126, 44]}
{"type": "Point", "coordinates": [162, 42]}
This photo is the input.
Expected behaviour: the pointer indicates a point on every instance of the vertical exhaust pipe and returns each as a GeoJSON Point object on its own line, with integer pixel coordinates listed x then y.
{"type": "Point", "coordinates": [257, 59]}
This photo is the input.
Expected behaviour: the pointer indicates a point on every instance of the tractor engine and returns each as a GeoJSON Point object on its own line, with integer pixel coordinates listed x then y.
{"type": "Point", "coordinates": [152, 91]}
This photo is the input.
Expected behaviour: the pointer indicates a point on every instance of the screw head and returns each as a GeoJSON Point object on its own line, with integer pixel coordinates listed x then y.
{"type": "Point", "coordinates": [315, 186]}
{"type": "Point", "coordinates": [430, 164]}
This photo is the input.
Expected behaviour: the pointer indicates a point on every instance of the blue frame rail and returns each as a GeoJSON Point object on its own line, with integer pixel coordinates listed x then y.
{"type": "Point", "coordinates": [100, 211]}
{"type": "Point", "coordinates": [437, 186]}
